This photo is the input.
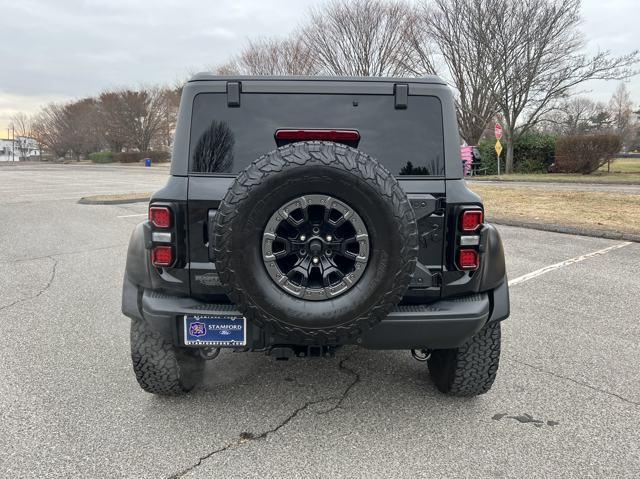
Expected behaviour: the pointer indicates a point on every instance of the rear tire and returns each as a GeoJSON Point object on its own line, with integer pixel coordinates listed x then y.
{"type": "Point", "coordinates": [471, 369]}
{"type": "Point", "coordinates": [160, 367]}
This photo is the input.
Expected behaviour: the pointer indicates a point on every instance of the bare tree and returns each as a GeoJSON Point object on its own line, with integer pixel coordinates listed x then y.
{"type": "Point", "coordinates": [113, 128]}
{"type": "Point", "coordinates": [229, 68]}
{"type": "Point", "coordinates": [22, 126]}
{"type": "Point", "coordinates": [538, 59]}
{"type": "Point", "coordinates": [363, 38]}
{"type": "Point", "coordinates": [213, 151]}
{"type": "Point", "coordinates": [445, 34]}
{"type": "Point", "coordinates": [50, 129]}
{"type": "Point", "coordinates": [576, 116]}
{"type": "Point", "coordinates": [81, 127]}
{"type": "Point", "coordinates": [621, 108]}
{"type": "Point", "coordinates": [149, 108]}
{"type": "Point", "coordinates": [135, 119]}
{"type": "Point", "coordinates": [167, 131]}
{"type": "Point", "coordinates": [272, 56]}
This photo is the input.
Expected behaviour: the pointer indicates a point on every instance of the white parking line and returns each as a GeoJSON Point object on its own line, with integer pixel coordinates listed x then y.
{"type": "Point", "coordinates": [577, 259]}
{"type": "Point", "coordinates": [131, 216]}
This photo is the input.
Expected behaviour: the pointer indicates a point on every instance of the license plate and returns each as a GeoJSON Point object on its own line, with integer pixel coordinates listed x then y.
{"type": "Point", "coordinates": [215, 330]}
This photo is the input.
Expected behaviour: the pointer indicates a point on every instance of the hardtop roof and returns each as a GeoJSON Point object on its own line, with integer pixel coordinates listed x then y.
{"type": "Point", "coordinates": [206, 76]}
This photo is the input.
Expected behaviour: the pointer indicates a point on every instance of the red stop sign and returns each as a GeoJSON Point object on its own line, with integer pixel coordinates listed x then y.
{"type": "Point", "coordinates": [498, 131]}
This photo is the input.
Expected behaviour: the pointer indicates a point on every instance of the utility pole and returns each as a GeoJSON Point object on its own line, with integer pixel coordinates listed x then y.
{"type": "Point", "coordinates": [13, 143]}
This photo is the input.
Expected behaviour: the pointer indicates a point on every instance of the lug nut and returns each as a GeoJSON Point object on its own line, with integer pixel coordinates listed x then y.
{"type": "Point", "coordinates": [329, 237]}
{"type": "Point", "coordinates": [303, 237]}
{"type": "Point", "coordinates": [315, 260]}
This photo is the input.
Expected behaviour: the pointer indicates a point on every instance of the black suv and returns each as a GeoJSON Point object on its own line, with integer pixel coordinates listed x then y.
{"type": "Point", "coordinates": [303, 214]}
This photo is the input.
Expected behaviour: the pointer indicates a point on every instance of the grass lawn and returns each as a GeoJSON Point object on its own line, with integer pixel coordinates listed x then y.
{"type": "Point", "coordinates": [581, 209]}
{"type": "Point", "coordinates": [623, 170]}
{"type": "Point", "coordinates": [623, 165]}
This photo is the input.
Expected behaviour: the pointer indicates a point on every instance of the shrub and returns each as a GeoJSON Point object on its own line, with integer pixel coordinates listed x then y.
{"type": "Point", "coordinates": [101, 157]}
{"type": "Point", "coordinates": [129, 157]}
{"type": "Point", "coordinates": [585, 153]}
{"type": "Point", "coordinates": [532, 153]}
{"type": "Point", "coordinates": [137, 156]}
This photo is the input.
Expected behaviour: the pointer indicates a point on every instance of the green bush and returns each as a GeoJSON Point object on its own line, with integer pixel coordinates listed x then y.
{"type": "Point", "coordinates": [585, 153]}
{"type": "Point", "coordinates": [532, 153]}
{"type": "Point", "coordinates": [101, 157]}
{"type": "Point", "coordinates": [138, 156]}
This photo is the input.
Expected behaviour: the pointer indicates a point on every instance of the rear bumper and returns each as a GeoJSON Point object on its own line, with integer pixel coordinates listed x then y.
{"type": "Point", "coordinates": [443, 324]}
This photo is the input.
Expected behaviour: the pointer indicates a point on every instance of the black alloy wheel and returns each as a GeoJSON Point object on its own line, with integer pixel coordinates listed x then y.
{"type": "Point", "coordinates": [315, 247]}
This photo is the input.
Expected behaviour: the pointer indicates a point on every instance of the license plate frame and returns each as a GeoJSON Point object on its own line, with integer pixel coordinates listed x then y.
{"type": "Point", "coordinates": [214, 330]}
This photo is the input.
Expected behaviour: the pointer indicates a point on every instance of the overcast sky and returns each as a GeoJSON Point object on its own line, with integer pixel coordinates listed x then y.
{"type": "Point", "coordinates": [53, 50]}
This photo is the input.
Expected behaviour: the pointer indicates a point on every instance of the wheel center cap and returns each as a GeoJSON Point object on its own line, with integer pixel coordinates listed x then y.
{"type": "Point", "coordinates": [315, 247]}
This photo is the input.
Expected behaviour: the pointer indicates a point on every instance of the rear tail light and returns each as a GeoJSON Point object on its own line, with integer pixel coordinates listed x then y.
{"type": "Point", "coordinates": [467, 252]}
{"type": "Point", "coordinates": [163, 239]}
{"type": "Point", "coordinates": [468, 259]}
{"type": "Point", "coordinates": [311, 135]}
{"type": "Point", "coordinates": [471, 220]}
{"type": "Point", "coordinates": [162, 256]}
{"type": "Point", "coordinates": [160, 216]}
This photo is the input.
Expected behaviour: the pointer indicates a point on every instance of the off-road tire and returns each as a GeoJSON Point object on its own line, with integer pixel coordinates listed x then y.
{"type": "Point", "coordinates": [333, 169]}
{"type": "Point", "coordinates": [470, 369]}
{"type": "Point", "coordinates": [160, 367]}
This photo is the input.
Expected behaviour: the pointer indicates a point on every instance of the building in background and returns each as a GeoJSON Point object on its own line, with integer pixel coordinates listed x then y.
{"type": "Point", "coordinates": [21, 148]}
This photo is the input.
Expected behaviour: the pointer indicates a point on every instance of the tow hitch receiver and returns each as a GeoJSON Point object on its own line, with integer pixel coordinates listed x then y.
{"type": "Point", "coordinates": [283, 353]}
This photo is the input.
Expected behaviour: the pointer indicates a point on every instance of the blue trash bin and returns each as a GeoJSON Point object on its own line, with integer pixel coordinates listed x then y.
{"type": "Point", "coordinates": [147, 162]}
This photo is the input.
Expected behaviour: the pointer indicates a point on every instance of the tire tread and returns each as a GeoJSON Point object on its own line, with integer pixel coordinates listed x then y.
{"type": "Point", "coordinates": [158, 366]}
{"type": "Point", "coordinates": [471, 369]}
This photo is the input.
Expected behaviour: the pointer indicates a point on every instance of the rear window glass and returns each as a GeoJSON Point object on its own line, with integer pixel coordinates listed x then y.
{"type": "Point", "coordinates": [227, 139]}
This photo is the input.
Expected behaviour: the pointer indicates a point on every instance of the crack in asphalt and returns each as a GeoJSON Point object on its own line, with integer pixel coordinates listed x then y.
{"type": "Point", "coordinates": [247, 437]}
{"type": "Point", "coordinates": [39, 293]}
{"type": "Point", "coordinates": [345, 393]}
{"type": "Point", "coordinates": [575, 381]}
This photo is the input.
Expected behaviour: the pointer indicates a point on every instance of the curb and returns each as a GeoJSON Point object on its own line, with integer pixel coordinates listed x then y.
{"type": "Point", "coordinates": [89, 201]}
{"type": "Point", "coordinates": [570, 230]}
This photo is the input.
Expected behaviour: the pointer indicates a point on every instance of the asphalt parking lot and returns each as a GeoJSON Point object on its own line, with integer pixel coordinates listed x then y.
{"type": "Point", "coordinates": [566, 402]}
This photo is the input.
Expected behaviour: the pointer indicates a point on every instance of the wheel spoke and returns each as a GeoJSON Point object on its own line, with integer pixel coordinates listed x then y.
{"type": "Point", "coordinates": [344, 251]}
{"type": "Point", "coordinates": [301, 269]}
{"type": "Point", "coordinates": [339, 222]}
{"type": "Point", "coordinates": [287, 247]}
{"type": "Point", "coordinates": [328, 272]}
{"type": "Point", "coordinates": [304, 206]}
{"type": "Point", "coordinates": [292, 221]}
{"type": "Point", "coordinates": [280, 254]}
{"type": "Point", "coordinates": [295, 245]}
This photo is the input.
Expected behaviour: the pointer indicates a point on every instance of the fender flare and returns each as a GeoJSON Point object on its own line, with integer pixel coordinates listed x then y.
{"type": "Point", "coordinates": [136, 275]}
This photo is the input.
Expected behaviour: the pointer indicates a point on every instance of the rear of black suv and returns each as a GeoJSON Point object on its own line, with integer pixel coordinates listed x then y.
{"type": "Point", "coordinates": [304, 214]}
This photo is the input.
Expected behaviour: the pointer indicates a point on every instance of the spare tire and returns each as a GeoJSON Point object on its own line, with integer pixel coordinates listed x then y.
{"type": "Point", "coordinates": [315, 242]}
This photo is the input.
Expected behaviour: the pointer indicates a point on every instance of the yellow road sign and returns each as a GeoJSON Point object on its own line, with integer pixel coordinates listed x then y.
{"type": "Point", "coordinates": [498, 147]}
